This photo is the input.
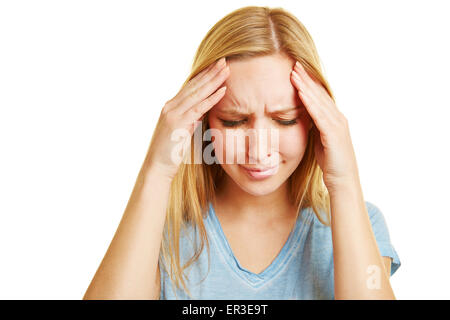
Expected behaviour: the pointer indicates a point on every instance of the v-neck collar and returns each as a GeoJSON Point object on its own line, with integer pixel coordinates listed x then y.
{"type": "Point", "coordinates": [256, 280]}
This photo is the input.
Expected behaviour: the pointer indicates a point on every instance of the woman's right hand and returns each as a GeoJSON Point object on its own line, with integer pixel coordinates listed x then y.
{"type": "Point", "coordinates": [190, 104]}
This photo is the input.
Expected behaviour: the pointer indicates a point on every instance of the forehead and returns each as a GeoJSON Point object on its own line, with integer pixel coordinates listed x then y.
{"type": "Point", "coordinates": [259, 84]}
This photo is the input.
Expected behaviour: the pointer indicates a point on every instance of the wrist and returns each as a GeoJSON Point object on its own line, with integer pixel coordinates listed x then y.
{"type": "Point", "coordinates": [348, 186]}
{"type": "Point", "coordinates": [154, 172]}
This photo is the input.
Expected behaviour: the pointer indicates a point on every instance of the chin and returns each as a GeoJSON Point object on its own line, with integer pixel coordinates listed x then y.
{"type": "Point", "coordinates": [259, 191]}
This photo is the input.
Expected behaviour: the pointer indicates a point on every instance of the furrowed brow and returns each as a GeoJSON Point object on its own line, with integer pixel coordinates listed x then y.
{"type": "Point", "coordinates": [236, 112]}
{"type": "Point", "coordinates": [286, 110]}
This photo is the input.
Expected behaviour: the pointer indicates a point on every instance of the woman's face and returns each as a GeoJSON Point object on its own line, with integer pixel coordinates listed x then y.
{"type": "Point", "coordinates": [253, 110]}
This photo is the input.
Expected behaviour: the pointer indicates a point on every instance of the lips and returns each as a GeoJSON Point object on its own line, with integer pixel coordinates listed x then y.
{"type": "Point", "coordinates": [259, 169]}
{"type": "Point", "coordinates": [260, 173]}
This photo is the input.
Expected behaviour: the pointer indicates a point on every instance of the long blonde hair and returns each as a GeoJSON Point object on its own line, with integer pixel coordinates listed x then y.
{"type": "Point", "coordinates": [242, 34]}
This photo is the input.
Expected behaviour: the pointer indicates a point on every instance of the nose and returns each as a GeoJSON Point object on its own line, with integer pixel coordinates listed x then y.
{"type": "Point", "coordinates": [263, 144]}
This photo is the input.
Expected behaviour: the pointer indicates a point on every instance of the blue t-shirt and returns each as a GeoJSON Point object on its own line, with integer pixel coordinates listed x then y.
{"type": "Point", "coordinates": [303, 269]}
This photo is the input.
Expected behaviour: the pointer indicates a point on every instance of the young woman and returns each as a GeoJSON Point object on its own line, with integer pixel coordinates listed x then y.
{"type": "Point", "coordinates": [285, 218]}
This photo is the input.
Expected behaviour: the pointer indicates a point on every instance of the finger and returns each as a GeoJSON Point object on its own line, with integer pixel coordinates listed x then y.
{"type": "Point", "coordinates": [319, 100]}
{"type": "Point", "coordinates": [309, 86]}
{"type": "Point", "coordinates": [219, 65]}
{"type": "Point", "coordinates": [311, 104]}
{"type": "Point", "coordinates": [204, 91]}
{"type": "Point", "coordinates": [199, 80]}
{"type": "Point", "coordinates": [316, 89]}
{"type": "Point", "coordinates": [197, 112]}
{"type": "Point", "coordinates": [308, 92]}
{"type": "Point", "coordinates": [305, 75]}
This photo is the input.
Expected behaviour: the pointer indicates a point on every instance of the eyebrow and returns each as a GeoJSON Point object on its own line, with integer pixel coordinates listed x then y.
{"type": "Point", "coordinates": [235, 112]}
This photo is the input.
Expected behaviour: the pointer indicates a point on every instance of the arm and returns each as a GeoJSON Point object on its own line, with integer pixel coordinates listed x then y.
{"type": "Point", "coordinates": [387, 265]}
{"type": "Point", "coordinates": [129, 269]}
{"type": "Point", "coordinates": [355, 248]}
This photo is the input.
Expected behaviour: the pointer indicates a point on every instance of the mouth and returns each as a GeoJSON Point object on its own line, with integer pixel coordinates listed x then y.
{"type": "Point", "coordinates": [260, 173]}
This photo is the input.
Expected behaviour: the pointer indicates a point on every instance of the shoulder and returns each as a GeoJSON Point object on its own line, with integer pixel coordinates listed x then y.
{"type": "Point", "coordinates": [373, 210]}
{"type": "Point", "coordinates": [321, 236]}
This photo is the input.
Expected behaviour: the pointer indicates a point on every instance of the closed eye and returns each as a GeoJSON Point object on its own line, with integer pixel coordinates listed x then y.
{"type": "Point", "coordinates": [229, 123]}
{"type": "Point", "coordinates": [235, 123]}
{"type": "Point", "coordinates": [287, 122]}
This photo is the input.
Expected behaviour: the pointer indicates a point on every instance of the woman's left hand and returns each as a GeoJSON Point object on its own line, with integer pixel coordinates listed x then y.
{"type": "Point", "coordinates": [333, 146]}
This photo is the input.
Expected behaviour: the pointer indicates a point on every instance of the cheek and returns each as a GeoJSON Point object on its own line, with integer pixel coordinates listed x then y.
{"type": "Point", "coordinates": [219, 140]}
{"type": "Point", "coordinates": [296, 136]}
{"type": "Point", "coordinates": [228, 151]}
{"type": "Point", "coordinates": [217, 137]}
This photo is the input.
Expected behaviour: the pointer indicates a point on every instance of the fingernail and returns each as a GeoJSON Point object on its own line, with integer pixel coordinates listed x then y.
{"type": "Point", "coordinates": [221, 62]}
{"type": "Point", "coordinates": [298, 64]}
{"type": "Point", "coordinates": [295, 74]}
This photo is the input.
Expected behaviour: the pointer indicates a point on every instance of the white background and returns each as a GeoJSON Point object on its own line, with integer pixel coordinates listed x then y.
{"type": "Point", "coordinates": [82, 84]}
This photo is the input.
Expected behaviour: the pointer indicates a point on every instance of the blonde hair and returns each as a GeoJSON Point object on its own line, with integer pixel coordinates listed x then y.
{"type": "Point", "coordinates": [242, 34]}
